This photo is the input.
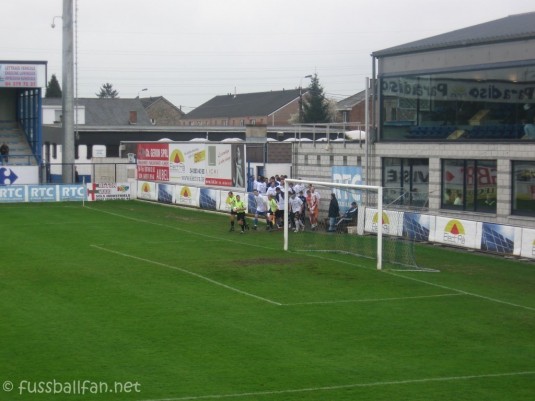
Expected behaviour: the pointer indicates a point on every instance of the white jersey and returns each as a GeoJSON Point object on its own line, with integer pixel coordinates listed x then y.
{"type": "Point", "coordinates": [261, 187]}
{"type": "Point", "coordinates": [298, 188]}
{"type": "Point", "coordinates": [271, 191]}
{"type": "Point", "coordinates": [280, 201]}
{"type": "Point", "coordinates": [295, 204]}
{"type": "Point", "coordinates": [255, 184]}
{"type": "Point", "coordinates": [260, 204]}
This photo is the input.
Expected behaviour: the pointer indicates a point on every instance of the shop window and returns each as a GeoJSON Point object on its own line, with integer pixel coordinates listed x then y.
{"type": "Point", "coordinates": [523, 188]}
{"type": "Point", "coordinates": [469, 185]}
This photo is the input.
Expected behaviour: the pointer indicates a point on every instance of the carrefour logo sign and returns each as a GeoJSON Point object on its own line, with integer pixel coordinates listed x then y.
{"type": "Point", "coordinates": [7, 176]}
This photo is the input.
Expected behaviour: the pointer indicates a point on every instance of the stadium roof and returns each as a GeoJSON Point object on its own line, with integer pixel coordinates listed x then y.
{"type": "Point", "coordinates": [511, 28]}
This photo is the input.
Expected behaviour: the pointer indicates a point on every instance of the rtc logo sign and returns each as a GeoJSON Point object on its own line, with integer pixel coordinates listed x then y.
{"type": "Point", "coordinates": [7, 176]}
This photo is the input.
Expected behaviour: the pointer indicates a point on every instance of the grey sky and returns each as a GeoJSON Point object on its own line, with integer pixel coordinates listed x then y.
{"type": "Point", "coordinates": [192, 50]}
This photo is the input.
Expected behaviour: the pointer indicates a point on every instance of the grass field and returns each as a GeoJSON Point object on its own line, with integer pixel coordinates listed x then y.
{"type": "Point", "coordinates": [168, 304]}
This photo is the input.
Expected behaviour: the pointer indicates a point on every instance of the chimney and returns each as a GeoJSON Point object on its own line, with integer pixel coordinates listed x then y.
{"type": "Point", "coordinates": [133, 118]}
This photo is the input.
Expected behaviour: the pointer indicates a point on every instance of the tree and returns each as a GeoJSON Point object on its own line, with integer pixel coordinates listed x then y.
{"type": "Point", "coordinates": [53, 89]}
{"type": "Point", "coordinates": [107, 92]}
{"type": "Point", "coordinates": [315, 106]}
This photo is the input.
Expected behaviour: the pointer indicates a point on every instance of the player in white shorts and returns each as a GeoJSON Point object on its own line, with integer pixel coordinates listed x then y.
{"type": "Point", "coordinates": [295, 205]}
{"type": "Point", "coordinates": [260, 208]}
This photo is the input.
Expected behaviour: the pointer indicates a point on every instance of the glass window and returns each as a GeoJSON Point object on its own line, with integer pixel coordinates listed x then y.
{"type": "Point", "coordinates": [469, 185]}
{"type": "Point", "coordinates": [524, 188]}
{"type": "Point", "coordinates": [490, 104]}
{"type": "Point", "coordinates": [406, 181]}
{"type": "Point", "coordinates": [486, 186]}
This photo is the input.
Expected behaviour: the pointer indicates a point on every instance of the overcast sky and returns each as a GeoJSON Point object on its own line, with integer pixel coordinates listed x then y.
{"type": "Point", "coordinates": [192, 50]}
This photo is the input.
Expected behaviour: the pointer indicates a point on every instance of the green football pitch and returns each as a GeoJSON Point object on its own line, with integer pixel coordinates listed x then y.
{"type": "Point", "coordinates": [139, 301]}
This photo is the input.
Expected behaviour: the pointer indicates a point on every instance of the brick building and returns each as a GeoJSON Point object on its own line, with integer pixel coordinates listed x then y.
{"type": "Point", "coordinates": [274, 108]}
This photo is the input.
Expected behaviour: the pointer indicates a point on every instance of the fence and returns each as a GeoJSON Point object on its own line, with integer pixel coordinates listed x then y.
{"type": "Point", "coordinates": [88, 172]}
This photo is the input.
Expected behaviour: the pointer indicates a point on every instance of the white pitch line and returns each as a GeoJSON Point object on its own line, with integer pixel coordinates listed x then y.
{"type": "Point", "coordinates": [228, 287]}
{"type": "Point", "coordinates": [346, 386]}
{"type": "Point", "coordinates": [330, 259]}
{"type": "Point", "coordinates": [463, 292]}
{"type": "Point", "coordinates": [370, 300]}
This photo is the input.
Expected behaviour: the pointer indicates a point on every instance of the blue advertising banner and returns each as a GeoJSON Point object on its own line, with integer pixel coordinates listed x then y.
{"type": "Point", "coordinates": [347, 175]}
{"type": "Point", "coordinates": [71, 192]}
{"type": "Point", "coordinates": [42, 193]}
{"type": "Point", "coordinates": [12, 193]}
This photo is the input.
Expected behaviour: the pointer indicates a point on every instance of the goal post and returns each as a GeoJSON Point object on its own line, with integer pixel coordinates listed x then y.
{"type": "Point", "coordinates": [338, 233]}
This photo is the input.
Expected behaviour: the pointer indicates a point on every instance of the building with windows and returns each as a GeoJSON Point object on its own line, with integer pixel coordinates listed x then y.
{"type": "Point", "coordinates": [455, 121]}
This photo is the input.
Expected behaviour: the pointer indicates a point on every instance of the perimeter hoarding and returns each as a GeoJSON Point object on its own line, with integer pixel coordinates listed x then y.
{"type": "Point", "coordinates": [153, 162]}
{"type": "Point", "coordinates": [19, 175]}
{"type": "Point", "coordinates": [221, 165]}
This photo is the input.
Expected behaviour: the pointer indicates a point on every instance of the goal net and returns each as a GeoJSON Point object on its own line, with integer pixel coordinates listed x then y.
{"type": "Point", "coordinates": [345, 218]}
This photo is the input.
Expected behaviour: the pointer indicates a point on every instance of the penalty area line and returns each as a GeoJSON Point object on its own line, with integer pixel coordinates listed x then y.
{"type": "Point", "coordinates": [200, 276]}
{"type": "Point", "coordinates": [346, 386]}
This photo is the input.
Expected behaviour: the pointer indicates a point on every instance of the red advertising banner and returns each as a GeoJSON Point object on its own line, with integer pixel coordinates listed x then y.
{"type": "Point", "coordinates": [153, 161]}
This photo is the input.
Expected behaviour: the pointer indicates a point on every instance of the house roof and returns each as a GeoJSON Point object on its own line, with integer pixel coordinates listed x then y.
{"type": "Point", "coordinates": [245, 104]}
{"type": "Point", "coordinates": [511, 28]}
{"type": "Point", "coordinates": [148, 102]}
{"type": "Point", "coordinates": [108, 112]}
{"type": "Point", "coordinates": [351, 101]}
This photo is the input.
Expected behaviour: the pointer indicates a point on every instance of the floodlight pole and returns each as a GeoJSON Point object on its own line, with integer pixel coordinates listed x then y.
{"type": "Point", "coordinates": [68, 94]}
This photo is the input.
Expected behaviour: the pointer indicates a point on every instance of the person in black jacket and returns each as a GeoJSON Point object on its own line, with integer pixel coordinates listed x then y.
{"type": "Point", "coordinates": [334, 212]}
{"type": "Point", "coordinates": [4, 153]}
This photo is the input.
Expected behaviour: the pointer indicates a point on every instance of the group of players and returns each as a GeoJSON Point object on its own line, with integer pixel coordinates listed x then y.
{"type": "Point", "coordinates": [269, 204]}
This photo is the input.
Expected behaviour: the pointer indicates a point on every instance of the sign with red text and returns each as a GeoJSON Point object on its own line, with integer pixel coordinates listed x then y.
{"type": "Point", "coordinates": [153, 161]}
{"type": "Point", "coordinates": [22, 75]}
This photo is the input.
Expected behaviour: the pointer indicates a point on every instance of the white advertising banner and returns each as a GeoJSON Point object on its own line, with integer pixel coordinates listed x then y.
{"type": "Point", "coordinates": [528, 243]}
{"type": "Point", "coordinates": [392, 222]}
{"type": "Point", "coordinates": [111, 191]}
{"type": "Point", "coordinates": [187, 163]}
{"type": "Point", "coordinates": [463, 233]}
{"type": "Point", "coordinates": [196, 164]}
{"type": "Point", "coordinates": [19, 175]}
{"type": "Point", "coordinates": [22, 75]}
{"type": "Point", "coordinates": [147, 190]}
{"type": "Point", "coordinates": [187, 196]}
{"type": "Point", "coordinates": [225, 165]}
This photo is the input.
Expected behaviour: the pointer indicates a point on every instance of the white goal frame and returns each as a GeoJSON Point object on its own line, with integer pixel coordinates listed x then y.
{"type": "Point", "coordinates": [379, 206]}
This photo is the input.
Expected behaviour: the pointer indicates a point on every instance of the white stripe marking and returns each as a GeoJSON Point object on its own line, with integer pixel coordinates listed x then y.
{"type": "Point", "coordinates": [370, 300]}
{"type": "Point", "coordinates": [346, 386]}
{"type": "Point", "coordinates": [463, 292]}
{"type": "Point", "coordinates": [228, 287]}
{"type": "Point", "coordinates": [319, 257]}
